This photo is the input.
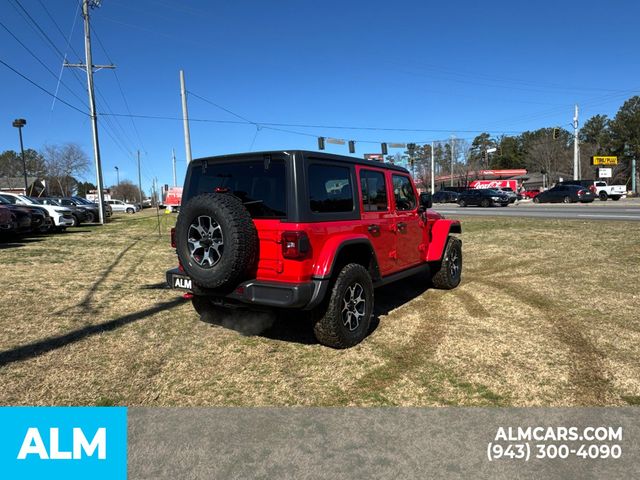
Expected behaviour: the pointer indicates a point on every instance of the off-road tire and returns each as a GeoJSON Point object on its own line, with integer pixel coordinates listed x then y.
{"type": "Point", "coordinates": [239, 240]}
{"type": "Point", "coordinates": [329, 327]}
{"type": "Point", "coordinates": [448, 276]}
{"type": "Point", "coordinates": [603, 196]}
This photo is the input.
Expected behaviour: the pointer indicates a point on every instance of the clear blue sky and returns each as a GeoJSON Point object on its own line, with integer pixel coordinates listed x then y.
{"type": "Point", "coordinates": [449, 68]}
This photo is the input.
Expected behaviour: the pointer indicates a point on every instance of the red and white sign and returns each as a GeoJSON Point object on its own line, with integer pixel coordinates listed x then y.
{"type": "Point", "coordinates": [173, 197]}
{"type": "Point", "coordinates": [513, 184]}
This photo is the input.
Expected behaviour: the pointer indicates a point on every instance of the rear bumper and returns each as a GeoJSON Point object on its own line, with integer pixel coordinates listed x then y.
{"type": "Point", "coordinates": [255, 292]}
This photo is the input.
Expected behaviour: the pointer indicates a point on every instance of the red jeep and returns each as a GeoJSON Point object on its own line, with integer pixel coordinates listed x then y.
{"type": "Point", "coordinates": [309, 231]}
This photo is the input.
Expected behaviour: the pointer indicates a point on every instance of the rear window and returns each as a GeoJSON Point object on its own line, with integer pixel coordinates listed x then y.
{"type": "Point", "coordinates": [261, 187]}
{"type": "Point", "coordinates": [330, 189]}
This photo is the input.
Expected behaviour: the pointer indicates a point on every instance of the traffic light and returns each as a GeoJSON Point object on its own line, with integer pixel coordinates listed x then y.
{"type": "Point", "coordinates": [352, 146]}
{"type": "Point", "coordinates": [383, 148]}
{"type": "Point", "coordinates": [411, 147]}
{"type": "Point", "coordinates": [320, 143]}
{"type": "Point", "coordinates": [556, 133]}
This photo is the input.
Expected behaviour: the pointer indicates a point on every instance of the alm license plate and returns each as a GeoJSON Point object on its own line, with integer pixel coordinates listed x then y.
{"type": "Point", "coordinates": [182, 282]}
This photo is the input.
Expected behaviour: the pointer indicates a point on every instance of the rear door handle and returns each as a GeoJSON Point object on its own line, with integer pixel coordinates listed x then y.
{"type": "Point", "coordinates": [374, 228]}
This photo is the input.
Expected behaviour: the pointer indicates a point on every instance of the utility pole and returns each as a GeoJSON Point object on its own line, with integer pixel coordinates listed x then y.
{"type": "Point", "coordinates": [139, 179]}
{"type": "Point", "coordinates": [89, 66]}
{"type": "Point", "coordinates": [452, 156]}
{"type": "Point", "coordinates": [575, 144]}
{"type": "Point", "coordinates": [433, 169]}
{"type": "Point", "coordinates": [173, 154]}
{"type": "Point", "coordinates": [185, 117]}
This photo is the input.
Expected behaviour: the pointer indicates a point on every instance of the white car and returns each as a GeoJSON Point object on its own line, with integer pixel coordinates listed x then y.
{"type": "Point", "coordinates": [120, 206]}
{"type": "Point", "coordinates": [62, 216]}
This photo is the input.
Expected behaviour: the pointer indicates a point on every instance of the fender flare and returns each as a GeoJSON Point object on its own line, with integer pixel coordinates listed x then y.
{"type": "Point", "coordinates": [440, 232]}
{"type": "Point", "coordinates": [331, 250]}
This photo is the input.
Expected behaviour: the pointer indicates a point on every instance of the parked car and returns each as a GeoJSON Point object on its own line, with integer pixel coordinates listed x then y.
{"type": "Point", "coordinates": [21, 217]}
{"type": "Point", "coordinates": [120, 206]}
{"type": "Point", "coordinates": [483, 197]}
{"type": "Point", "coordinates": [87, 213]}
{"type": "Point", "coordinates": [307, 231]}
{"type": "Point", "coordinates": [444, 196]}
{"type": "Point", "coordinates": [530, 193]}
{"type": "Point", "coordinates": [62, 217]}
{"type": "Point", "coordinates": [107, 208]}
{"type": "Point", "coordinates": [508, 191]}
{"type": "Point", "coordinates": [565, 194]}
{"type": "Point", "coordinates": [7, 219]}
{"type": "Point", "coordinates": [79, 216]}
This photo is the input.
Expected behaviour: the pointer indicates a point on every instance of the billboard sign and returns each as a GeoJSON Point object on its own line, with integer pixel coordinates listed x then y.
{"type": "Point", "coordinates": [604, 160]}
{"type": "Point", "coordinates": [376, 157]}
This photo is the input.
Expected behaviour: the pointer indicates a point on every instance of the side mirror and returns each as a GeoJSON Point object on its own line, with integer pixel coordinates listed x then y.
{"type": "Point", "coordinates": [425, 200]}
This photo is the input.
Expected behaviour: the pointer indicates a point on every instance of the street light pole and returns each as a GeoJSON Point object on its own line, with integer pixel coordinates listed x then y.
{"type": "Point", "coordinates": [19, 123]}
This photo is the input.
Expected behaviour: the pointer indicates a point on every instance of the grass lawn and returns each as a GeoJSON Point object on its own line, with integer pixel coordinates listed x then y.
{"type": "Point", "coordinates": [548, 314]}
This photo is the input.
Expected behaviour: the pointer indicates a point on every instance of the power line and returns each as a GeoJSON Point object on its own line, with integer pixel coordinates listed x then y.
{"type": "Point", "coordinates": [41, 87]}
{"type": "Point", "coordinates": [42, 63]}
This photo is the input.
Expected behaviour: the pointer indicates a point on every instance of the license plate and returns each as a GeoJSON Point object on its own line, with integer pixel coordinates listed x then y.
{"type": "Point", "coordinates": [182, 282]}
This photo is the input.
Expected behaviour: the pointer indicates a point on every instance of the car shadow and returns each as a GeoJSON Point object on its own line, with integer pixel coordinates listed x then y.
{"type": "Point", "coordinates": [31, 350]}
{"type": "Point", "coordinates": [296, 326]}
{"type": "Point", "coordinates": [16, 242]}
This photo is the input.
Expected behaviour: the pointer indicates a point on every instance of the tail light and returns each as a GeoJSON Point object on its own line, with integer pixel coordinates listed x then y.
{"type": "Point", "coordinates": [173, 238]}
{"type": "Point", "coordinates": [295, 245]}
{"type": "Point", "coordinates": [581, 192]}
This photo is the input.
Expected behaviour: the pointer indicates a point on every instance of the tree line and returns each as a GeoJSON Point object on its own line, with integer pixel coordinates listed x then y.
{"type": "Point", "coordinates": [59, 166]}
{"type": "Point", "coordinates": [547, 150]}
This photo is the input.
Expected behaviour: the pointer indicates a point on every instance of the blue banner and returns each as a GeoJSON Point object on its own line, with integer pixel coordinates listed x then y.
{"type": "Point", "coordinates": [63, 442]}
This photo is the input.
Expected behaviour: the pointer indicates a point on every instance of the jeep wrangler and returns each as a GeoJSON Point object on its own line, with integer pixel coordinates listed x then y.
{"type": "Point", "coordinates": [309, 231]}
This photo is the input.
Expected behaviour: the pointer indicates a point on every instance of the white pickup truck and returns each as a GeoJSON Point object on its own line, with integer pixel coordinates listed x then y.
{"type": "Point", "coordinates": [604, 191]}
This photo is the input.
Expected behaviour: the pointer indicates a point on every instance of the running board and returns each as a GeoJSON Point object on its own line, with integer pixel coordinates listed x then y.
{"type": "Point", "coordinates": [423, 268]}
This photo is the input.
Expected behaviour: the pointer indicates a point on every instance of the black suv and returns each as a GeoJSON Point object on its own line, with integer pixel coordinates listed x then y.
{"type": "Point", "coordinates": [445, 196]}
{"type": "Point", "coordinates": [483, 197]}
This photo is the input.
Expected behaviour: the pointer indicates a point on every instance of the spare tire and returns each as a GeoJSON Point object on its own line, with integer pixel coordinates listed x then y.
{"type": "Point", "coordinates": [216, 240]}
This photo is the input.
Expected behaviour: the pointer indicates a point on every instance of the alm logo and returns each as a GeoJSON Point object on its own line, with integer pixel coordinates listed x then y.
{"type": "Point", "coordinates": [34, 445]}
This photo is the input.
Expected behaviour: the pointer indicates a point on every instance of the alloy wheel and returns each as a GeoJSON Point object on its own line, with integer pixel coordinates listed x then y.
{"type": "Point", "coordinates": [205, 241]}
{"type": "Point", "coordinates": [353, 306]}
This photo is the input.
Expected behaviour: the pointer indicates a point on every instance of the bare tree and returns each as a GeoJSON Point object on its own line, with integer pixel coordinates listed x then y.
{"type": "Point", "coordinates": [126, 191]}
{"type": "Point", "coordinates": [63, 164]}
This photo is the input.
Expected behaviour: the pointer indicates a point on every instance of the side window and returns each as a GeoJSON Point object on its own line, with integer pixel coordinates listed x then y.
{"type": "Point", "coordinates": [403, 193]}
{"type": "Point", "coordinates": [374, 191]}
{"type": "Point", "coordinates": [330, 189]}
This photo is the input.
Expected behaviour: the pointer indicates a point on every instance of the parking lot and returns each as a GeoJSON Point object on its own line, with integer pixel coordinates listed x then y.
{"type": "Point", "coordinates": [546, 315]}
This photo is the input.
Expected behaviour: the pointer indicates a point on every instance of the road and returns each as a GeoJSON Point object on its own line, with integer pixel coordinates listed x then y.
{"type": "Point", "coordinates": [622, 211]}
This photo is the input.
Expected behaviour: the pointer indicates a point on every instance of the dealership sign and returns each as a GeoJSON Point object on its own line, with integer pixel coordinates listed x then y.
{"type": "Point", "coordinates": [604, 160]}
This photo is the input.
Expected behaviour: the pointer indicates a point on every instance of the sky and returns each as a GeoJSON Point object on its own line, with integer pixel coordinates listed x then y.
{"type": "Point", "coordinates": [277, 74]}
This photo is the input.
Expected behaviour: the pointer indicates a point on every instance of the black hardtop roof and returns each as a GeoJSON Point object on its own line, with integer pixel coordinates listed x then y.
{"type": "Point", "coordinates": [307, 153]}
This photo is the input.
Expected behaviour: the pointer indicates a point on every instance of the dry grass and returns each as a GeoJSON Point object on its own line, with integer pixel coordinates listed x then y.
{"type": "Point", "coordinates": [548, 314]}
